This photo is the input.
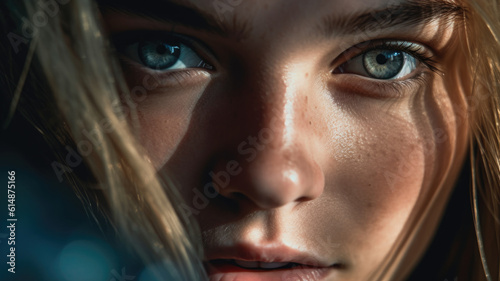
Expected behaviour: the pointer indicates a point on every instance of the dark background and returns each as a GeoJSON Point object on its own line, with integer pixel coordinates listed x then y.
{"type": "Point", "coordinates": [56, 239]}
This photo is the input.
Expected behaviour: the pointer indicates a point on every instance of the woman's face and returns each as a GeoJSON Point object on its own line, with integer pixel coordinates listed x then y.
{"type": "Point", "coordinates": [297, 131]}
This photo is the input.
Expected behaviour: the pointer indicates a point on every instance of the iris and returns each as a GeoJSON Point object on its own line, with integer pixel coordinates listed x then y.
{"type": "Point", "coordinates": [159, 54]}
{"type": "Point", "coordinates": [383, 64]}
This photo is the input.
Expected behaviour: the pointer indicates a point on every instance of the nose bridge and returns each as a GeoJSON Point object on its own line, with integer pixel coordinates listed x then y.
{"type": "Point", "coordinates": [282, 121]}
{"type": "Point", "coordinates": [277, 167]}
{"type": "Point", "coordinates": [276, 95]}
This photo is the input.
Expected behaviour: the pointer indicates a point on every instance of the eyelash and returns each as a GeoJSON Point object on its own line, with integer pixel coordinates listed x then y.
{"type": "Point", "coordinates": [180, 77]}
{"type": "Point", "coordinates": [384, 88]}
{"type": "Point", "coordinates": [412, 49]}
{"type": "Point", "coordinates": [174, 77]}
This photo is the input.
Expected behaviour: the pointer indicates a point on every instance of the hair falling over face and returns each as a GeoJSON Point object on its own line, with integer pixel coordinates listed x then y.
{"type": "Point", "coordinates": [236, 127]}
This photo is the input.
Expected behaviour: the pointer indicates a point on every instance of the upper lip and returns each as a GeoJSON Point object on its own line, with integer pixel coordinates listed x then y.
{"type": "Point", "coordinates": [268, 253]}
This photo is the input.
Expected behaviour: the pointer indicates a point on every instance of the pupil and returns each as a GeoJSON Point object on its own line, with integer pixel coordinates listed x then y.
{"type": "Point", "coordinates": [381, 59]}
{"type": "Point", "coordinates": [161, 49]}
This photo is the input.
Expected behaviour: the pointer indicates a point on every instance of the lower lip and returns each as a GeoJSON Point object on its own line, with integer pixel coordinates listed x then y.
{"type": "Point", "coordinates": [229, 272]}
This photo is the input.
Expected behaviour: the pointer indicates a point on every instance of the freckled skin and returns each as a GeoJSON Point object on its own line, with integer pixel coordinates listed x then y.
{"type": "Point", "coordinates": [323, 164]}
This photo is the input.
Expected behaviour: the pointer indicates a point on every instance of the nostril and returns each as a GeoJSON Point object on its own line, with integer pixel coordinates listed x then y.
{"type": "Point", "coordinates": [303, 199]}
{"type": "Point", "coordinates": [261, 202]}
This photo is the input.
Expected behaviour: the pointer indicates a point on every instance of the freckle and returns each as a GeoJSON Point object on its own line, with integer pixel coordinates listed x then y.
{"type": "Point", "coordinates": [310, 122]}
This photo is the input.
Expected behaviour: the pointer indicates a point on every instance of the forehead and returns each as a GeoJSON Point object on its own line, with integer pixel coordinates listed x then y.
{"type": "Point", "coordinates": [249, 9]}
{"type": "Point", "coordinates": [236, 15]}
{"type": "Point", "coordinates": [299, 12]}
{"type": "Point", "coordinates": [330, 17]}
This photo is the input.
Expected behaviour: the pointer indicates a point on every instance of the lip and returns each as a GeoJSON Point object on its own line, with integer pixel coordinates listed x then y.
{"type": "Point", "coordinates": [307, 265]}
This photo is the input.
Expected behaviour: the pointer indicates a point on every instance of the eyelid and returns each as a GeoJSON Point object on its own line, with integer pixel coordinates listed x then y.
{"type": "Point", "coordinates": [356, 85]}
{"type": "Point", "coordinates": [124, 39]}
{"type": "Point", "coordinates": [419, 51]}
{"type": "Point", "coordinates": [171, 79]}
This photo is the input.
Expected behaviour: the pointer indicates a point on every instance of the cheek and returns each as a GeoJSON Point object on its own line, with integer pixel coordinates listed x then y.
{"type": "Point", "coordinates": [378, 181]}
{"type": "Point", "coordinates": [380, 162]}
{"type": "Point", "coordinates": [386, 170]}
{"type": "Point", "coordinates": [164, 116]}
{"type": "Point", "coordinates": [161, 134]}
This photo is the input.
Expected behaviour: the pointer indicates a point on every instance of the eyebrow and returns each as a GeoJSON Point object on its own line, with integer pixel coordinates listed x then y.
{"type": "Point", "coordinates": [405, 13]}
{"type": "Point", "coordinates": [184, 14]}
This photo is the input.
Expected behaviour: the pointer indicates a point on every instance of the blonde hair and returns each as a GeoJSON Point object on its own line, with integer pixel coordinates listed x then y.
{"type": "Point", "coordinates": [479, 78]}
{"type": "Point", "coordinates": [483, 32]}
{"type": "Point", "coordinates": [79, 82]}
{"type": "Point", "coordinates": [85, 82]}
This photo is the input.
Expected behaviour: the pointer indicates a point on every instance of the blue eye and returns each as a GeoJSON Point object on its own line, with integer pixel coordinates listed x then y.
{"type": "Point", "coordinates": [159, 55]}
{"type": "Point", "coordinates": [164, 55]}
{"type": "Point", "coordinates": [383, 63]}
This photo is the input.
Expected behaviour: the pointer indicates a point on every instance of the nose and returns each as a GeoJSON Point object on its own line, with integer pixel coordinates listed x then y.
{"type": "Point", "coordinates": [277, 148]}
{"type": "Point", "coordinates": [277, 177]}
